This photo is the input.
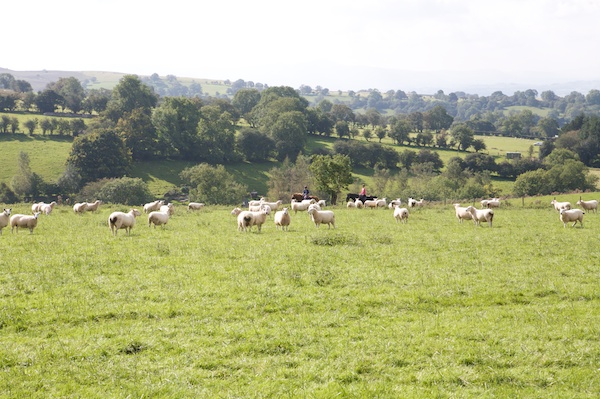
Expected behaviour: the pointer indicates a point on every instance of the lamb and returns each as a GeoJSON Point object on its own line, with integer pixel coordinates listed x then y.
{"type": "Point", "coordinates": [461, 213]}
{"type": "Point", "coordinates": [325, 217]}
{"type": "Point", "coordinates": [80, 207]}
{"type": "Point", "coordinates": [169, 208]}
{"type": "Point", "coordinates": [93, 206]}
{"type": "Point", "coordinates": [282, 219]}
{"type": "Point", "coordinates": [571, 215]}
{"type": "Point", "coordinates": [481, 215]}
{"type": "Point", "coordinates": [4, 218]}
{"type": "Point", "coordinates": [591, 205]}
{"type": "Point", "coordinates": [153, 206]}
{"type": "Point", "coordinates": [27, 221]}
{"type": "Point", "coordinates": [195, 206]}
{"type": "Point", "coordinates": [46, 209]}
{"type": "Point", "coordinates": [400, 214]}
{"type": "Point", "coordinates": [560, 205]}
{"type": "Point", "coordinates": [158, 218]}
{"type": "Point", "coordinates": [122, 220]}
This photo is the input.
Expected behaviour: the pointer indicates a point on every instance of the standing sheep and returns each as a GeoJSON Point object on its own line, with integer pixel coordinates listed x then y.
{"type": "Point", "coordinates": [27, 221]}
{"type": "Point", "coordinates": [481, 215]}
{"type": "Point", "coordinates": [400, 214]}
{"type": "Point", "coordinates": [93, 206]}
{"type": "Point", "coordinates": [122, 220]}
{"type": "Point", "coordinates": [325, 217]}
{"type": "Point", "coordinates": [4, 218]}
{"type": "Point", "coordinates": [462, 213]}
{"type": "Point", "coordinates": [46, 209]}
{"type": "Point", "coordinates": [195, 206]}
{"type": "Point", "coordinates": [282, 219]}
{"type": "Point", "coordinates": [153, 206]}
{"type": "Point", "coordinates": [169, 208]}
{"type": "Point", "coordinates": [158, 218]}
{"type": "Point", "coordinates": [571, 215]}
{"type": "Point", "coordinates": [591, 205]}
{"type": "Point", "coordinates": [80, 207]}
{"type": "Point", "coordinates": [560, 205]}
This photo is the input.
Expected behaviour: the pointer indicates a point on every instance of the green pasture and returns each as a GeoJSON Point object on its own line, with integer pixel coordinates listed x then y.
{"type": "Point", "coordinates": [372, 308]}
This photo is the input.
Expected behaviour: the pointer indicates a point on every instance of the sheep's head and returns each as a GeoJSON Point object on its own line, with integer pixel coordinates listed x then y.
{"type": "Point", "coordinates": [135, 212]}
{"type": "Point", "coordinates": [36, 214]}
{"type": "Point", "coordinates": [7, 211]}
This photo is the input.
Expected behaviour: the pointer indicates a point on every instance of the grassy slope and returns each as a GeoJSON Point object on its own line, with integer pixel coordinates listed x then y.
{"type": "Point", "coordinates": [198, 309]}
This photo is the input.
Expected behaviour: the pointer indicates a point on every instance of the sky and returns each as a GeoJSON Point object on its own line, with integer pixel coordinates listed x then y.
{"type": "Point", "coordinates": [420, 45]}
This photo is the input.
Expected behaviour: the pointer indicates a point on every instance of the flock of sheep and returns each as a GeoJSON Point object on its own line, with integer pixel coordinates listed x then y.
{"type": "Point", "coordinates": [159, 213]}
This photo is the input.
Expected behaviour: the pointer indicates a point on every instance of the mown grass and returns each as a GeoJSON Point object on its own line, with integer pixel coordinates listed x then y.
{"type": "Point", "coordinates": [433, 308]}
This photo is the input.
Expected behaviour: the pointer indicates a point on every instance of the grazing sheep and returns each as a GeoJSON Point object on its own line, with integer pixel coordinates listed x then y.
{"type": "Point", "coordinates": [80, 207]}
{"type": "Point", "coordinates": [195, 206]}
{"type": "Point", "coordinates": [93, 206]}
{"type": "Point", "coordinates": [395, 202]}
{"type": "Point", "coordinates": [4, 218]}
{"type": "Point", "coordinates": [153, 206]}
{"type": "Point", "coordinates": [325, 217]}
{"type": "Point", "coordinates": [257, 208]}
{"type": "Point", "coordinates": [169, 208]}
{"type": "Point", "coordinates": [420, 202]}
{"type": "Point", "coordinates": [36, 207]}
{"type": "Point", "coordinates": [381, 203]}
{"type": "Point", "coordinates": [571, 215]}
{"type": "Point", "coordinates": [490, 203]}
{"type": "Point", "coordinates": [122, 220]}
{"type": "Point", "coordinates": [27, 221]}
{"type": "Point", "coordinates": [351, 204]}
{"type": "Point", "coordinates": [46, 209]}
{"type": "Point", "coordinates": [158, 218]}
{"type": "Point", "coordinates": [591, 205]}
{"type": "Point", "coordinates": [255, 202]}
{"type": "Point", "coordinates": [481, 215]}
{"type": "Point", "coordinates": [461, 213]}
{"type": "Point", "coordinates": [359, 203]}
{"type": "Point", "coordinates": [282, 219]}
{"type": "Point", "coordinates": [560, 205]}
{"type": "Point", "coordinates": [371, 204]}
{"type": "Point", "coordinates": [400, 214]}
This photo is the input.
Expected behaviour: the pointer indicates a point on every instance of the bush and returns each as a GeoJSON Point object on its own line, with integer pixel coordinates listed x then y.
{"type": "Point", "coordinates": [126, 190]}
{"type": "Point", "coordinates": [7, 196]}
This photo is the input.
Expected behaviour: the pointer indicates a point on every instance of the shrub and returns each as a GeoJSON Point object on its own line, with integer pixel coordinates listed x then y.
{"type": "Point", "coordinates": [126, 190]}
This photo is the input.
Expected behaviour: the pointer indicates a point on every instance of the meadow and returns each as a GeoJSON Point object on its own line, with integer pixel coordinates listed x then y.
{"type": "Point", "coordinates": [372, 308]}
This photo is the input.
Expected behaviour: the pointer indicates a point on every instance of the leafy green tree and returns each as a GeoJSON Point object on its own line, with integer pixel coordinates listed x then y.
{"type": "Point", "coordinates": [138, 133]}
{"type": "Point", "coordinates": [367, 134]}
{"type": "Point", "coordinates": [399, 131]}
{"type": "Point", "coordinates": [463, 135]}
{"type": "Point", "coordinates": [428, 156]}
{"type": "Point", "coordinates": [30, 125]}
{"type": "Point", "coordinates": [342, 129]}
{"type": "Point", "coordinates": [125, 190]}
{"type": "Point", "coordinates": [7, 196]}
{"type": "Point", "coordinates": [216, 136]}
{"type": "Point", "coordinates": [130, 93]}
{"type": "Point", "coordinates": [532, 183]}
{"type": "Point", "coordinates": [289, 178]}
{"type": "Point", "coordinates": [245, 100]}
{"type": "Point", "coordinates": [96, 100]}
{"type": "Point", "coordinates": [417, 121]}
{"type": "Point", "coordinates": [437, 118]}
{"type": "Point", "coordinates": [71, 91]}
{"type": "Point", "coordinates": [254, 145]}
{"type": "Point", "coordinates": [289, 133]}
{"type": "Point", "coordinates": [342, 112]}
{"type": "Point", "coordinates": [407, 158]}
{"type": "Point", "coordinates": [213, 185]}
{"type": "Point", "coordinates": [14, 125]}
{"type": "Point", "coordinates": [45, 125]}
{"type": "Point", "coordinates": [478, 145]}
{"type": "Point", "coordinates": [26, 183]}
{"type": "Point", "coordinates": [99, 154]}
{"type": "Point", "coordinates": [70, 180]}
{"type": "Point", "coordinates": [332, 174]}
{"type": "Point", "coordinates": [176, 121]}
{"type": "Point", "coordinates": [4, 123]}
{"type": "Point", "coordinates": [374, 117]}
{"type": "Point", "coordinates": [380, 132]}
{"type": "Point", "coordinates": [48, 100]}
{"type": "Point", "coordinates": [548, 127]}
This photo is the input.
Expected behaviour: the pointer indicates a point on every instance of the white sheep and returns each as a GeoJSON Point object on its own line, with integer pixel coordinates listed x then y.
{"type": "Point", "coordinates": [28, 221]}
{"type": "Point", "coordinates": [168, 208]}
{"type": "Point", "coordinates": [351, 204]}
{"type": "Point", "coordinates": [36, 207]}
{"type": "Point", "coordinates": [400, 214]}
{"type": "Point", "coordinates": [322, 203]}
{"type": "Point", "coordinates": [490, 203]}
{"type": "Point", "coordinates": [93, 206]}
{"type": "Point", "coordinates": [158, 218]}
{"type": "Point", "coordinates": [247, 219]}
{"type": "Point", "coordinates": [4, 218]}
{"type": "Point", "coordinates": [461, 213]}
{"type": "Point", "coordinates": [314, 206]}
{"type": "Point", "coordinates": [325, 217]}
{"type": "Point", "coordinates": [571, 215]}
{"type": "Point", "coordinates": [591, 205]}
{"type": "Point", "coordinates": [371, 203]}
{"type": "Point", "coordinates": [46, 209]}
{"type": "Point", "coordinates": [420, 202]}
{"type": "Point", "coordinates": [395, 202]}
{"type": "Point", "coordinates": [282, 219]}
{"type": "Point", "coordinates": [122, 220]}
{"type": "Point", "coordinates": [359, 203]}
{"type": "Point", "coordinates": [381, 203]}
{"type": "Point", "coordinates": [560, 205]}
{"type": "Point", "coordinates": [302, 205]}
{"type": "Point", "coordinates": [411, 202]}
{"type": "Point", "coordinates": [273, 205]}
{"type": "Point", "coordinates": [80, 207]}
{"type": "Point", "coordinates": [153, 206]}
{"type": "Point", "coordinates": [195, 206]}
{"type": "Point", "coordinates": [481, 215]}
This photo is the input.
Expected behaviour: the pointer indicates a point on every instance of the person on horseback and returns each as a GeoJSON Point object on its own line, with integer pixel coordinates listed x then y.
{"type": "Point", "coordinates": [305, 193]}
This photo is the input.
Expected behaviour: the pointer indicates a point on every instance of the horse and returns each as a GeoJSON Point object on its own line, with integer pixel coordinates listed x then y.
{"type": "Point", "coordinates": [353, 197]}
{"type": "Point", "coordinates": [299, 197]}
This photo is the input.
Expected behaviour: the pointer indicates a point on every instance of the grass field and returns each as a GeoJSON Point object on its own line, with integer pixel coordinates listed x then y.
{"type": "Point", "coordinates": [433, 308]}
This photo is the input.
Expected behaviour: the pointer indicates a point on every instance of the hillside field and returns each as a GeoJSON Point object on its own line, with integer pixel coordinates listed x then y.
{"type": "Point", "coordinates": [372, 308]}
{"type": "Point", "coordinates": [48, 155]}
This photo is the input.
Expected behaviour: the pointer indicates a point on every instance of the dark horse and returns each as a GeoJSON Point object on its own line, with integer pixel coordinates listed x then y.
{"type": "Point", "coordinates": [299, 197]}
{"type": "Point", "coordinates": [353, 197]}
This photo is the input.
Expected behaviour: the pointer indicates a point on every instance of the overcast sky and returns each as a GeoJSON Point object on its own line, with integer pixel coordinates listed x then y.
{"type": "Point", "coordinates": [338, 44]}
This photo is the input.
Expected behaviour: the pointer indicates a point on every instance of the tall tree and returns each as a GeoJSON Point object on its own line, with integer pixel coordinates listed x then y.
{"type": "Point", "coordinates": [176, 122]}
{"type": "Point", "coordinates": [138, 133]}
{"type": "Point", "coordinates": [332, 174]}
{"type": "Point", "coordinates": [130, 93]}
{"type": "Point", "coordinates": [71, 91]}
